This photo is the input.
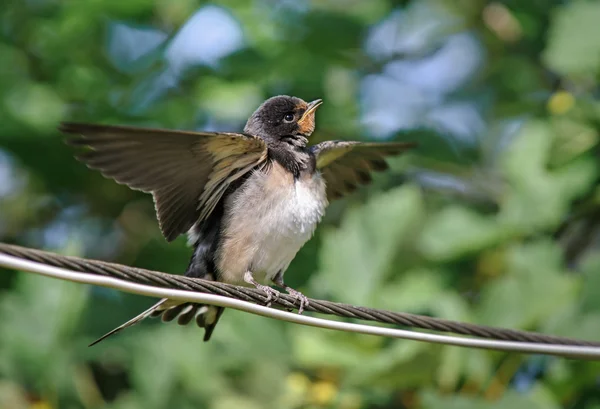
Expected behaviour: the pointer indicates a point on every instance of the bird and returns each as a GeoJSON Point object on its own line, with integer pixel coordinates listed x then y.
{"type": "Point", "coordinates": [247, 201]}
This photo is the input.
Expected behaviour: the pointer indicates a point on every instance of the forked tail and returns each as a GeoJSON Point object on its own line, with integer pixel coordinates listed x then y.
{"type": "Point", "coordinates": [132, 321]}
{"type": "Point", "coordinates": [206, 316]}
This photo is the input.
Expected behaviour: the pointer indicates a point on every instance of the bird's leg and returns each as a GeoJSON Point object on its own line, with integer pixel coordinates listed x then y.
{"type": "Point", "coordinates": [272, 294]}
{"type": "Point", "coordinates": [278, 280]}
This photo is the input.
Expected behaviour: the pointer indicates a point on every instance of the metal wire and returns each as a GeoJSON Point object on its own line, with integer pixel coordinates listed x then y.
{"type": "Point", "coordinates": [567, 351]}
{"type": "Point", "coordinates": [154, 278]}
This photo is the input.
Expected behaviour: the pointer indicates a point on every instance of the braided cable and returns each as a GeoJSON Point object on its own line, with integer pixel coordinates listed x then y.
{"type": "Point", "coordinates": [154, 278]}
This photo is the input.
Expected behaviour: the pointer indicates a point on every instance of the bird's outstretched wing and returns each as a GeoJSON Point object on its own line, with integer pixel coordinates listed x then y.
{"type": "Point", "coordinates": [347, 164]}
{"type": "Point", "coordinates": [186, 172]}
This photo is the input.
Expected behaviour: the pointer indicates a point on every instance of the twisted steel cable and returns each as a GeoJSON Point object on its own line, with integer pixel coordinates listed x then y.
{"type": "Point", "coordinates": [154, 278]}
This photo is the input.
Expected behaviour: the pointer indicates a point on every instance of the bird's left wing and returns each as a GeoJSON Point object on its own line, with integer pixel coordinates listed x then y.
{"type": "Point", "coordinates": [186, 172]}
{"type": "Point", "coordinates": [347, 164]}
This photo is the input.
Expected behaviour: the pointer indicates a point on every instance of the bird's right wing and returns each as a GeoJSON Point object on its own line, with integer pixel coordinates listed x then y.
{"type": "Point", "coordinates": [347, 164]}
{"type": "Point", "coordinates": [186, 172]}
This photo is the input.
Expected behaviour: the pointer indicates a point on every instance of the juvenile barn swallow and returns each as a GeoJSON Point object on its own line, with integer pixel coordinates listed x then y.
{"type": "Point", "coordinates": [247, 201]}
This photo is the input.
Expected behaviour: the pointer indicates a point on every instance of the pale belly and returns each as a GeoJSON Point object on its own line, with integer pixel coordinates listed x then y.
{"type": "Point", "coordinates": [267, 222]}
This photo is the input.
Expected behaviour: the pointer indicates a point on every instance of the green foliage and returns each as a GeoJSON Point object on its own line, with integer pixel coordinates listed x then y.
{"type": "Point", "coordinates": [367, 241]}
{"type": "Point", "coordinates": [494, 219]}
{"type": "Point", "coordinates": [574, 39]}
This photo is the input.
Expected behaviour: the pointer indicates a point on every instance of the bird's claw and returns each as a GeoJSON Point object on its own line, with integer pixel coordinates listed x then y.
{"type": "Point", "coordinates": [300, 297]}
{"type": "Point", "coordinates": [272, 294]}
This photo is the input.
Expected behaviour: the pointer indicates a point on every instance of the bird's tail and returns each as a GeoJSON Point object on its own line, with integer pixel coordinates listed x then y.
{"type": "Point", "coordinates": [206, 316]}
{"type": "Point", "coordinates": [132, 321]}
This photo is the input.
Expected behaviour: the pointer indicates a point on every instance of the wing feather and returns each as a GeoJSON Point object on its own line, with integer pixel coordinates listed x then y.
{"type": "Point", "coordinates": [347, 164]}
{"type": "Point", "coordinates": [186, 172]}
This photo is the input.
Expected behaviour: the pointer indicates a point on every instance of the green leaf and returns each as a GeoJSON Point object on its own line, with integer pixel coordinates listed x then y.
{"type": "Point", "coordinates": [530, 201]}
{"type": "Point", "coordinates": [536, 198]}
{"type": "Point", "coordinates": [573, 138]}
{"type": "Point", "coordinates": [36, 105]}
{"type": "Point", "coordinates": [402, 364]}
{"type": "Point", "coordinates": [451, 364]}
{"type": "Point", "coordinates": [574, 39]}
{"type": "Point", "coordinates": [538, 397]}
{"type": "Point", "coordinates": [590, 297]}
{"type": "Point", "coordinates": [456, 231]}
{"type": "Point", "coordinates": [314, 347]}
{"type": "Point", "coordinates": [432, 399]}
{"type": "Point", "coordinates": [355, 257]}
{"type": "Point", "coordinates": [241, 402]}
{"type": "Point", "coordinates": [178, 354]}
{"type": "Point", "coordinates": [38, 322]}
{"type": "Point", "coordinates": [264, 338]}
{"type": "Point", "coordinates": [413, 291]}
{"type": "Point", "coordinates": [456, 364]}
{"type": "Point", "coordinates": [577, 177]}
{"type": "Point", "coordinates": [534, 288]}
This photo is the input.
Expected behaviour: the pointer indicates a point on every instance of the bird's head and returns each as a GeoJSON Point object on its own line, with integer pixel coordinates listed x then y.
{"type": "Point", "coordinates": [284, 118]}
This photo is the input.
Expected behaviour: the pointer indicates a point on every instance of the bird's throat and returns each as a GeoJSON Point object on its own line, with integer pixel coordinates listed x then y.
{"type": "Point", "coordinates": [296, 160]}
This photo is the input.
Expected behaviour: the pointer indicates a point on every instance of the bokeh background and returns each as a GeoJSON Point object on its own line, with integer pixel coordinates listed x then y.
{"type": "Point", "coordinates": [495, 219]}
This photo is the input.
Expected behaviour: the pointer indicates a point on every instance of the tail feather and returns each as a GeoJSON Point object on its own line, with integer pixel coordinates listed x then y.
{"type": "Point", "coordinates": [169, 314]}
{"type": "Point", "coordinates": [133, 321]}
{"type": "Point", "coordinates": [206, 316]}
{"type": "Point", "coordinates": [187, 314]}
{"type": "Point", "coordinates": [205, 237]}
{"type": "Point", "coordinates": [209, 319]}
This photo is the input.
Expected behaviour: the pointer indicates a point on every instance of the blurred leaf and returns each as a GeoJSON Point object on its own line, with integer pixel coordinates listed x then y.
{"type": "Point", "coordinates": [226, 100]}
{"type": "Point", "coordinates": [342, 33]}
{"type": "Point", "coordinates": [449, 370]}
{"type": "Point", "coordinates": [241, 402]}
{"type": "Point", "coordinates": [133, 49]}
{"type": "Point", "coordinates": [537, 198]}
{"type": "Point", "coordinates": [566, 52]}
{"type": "Point", "coordinates": [452, 306]}
{"type": "Point", "coordinates": [402, 364]}
{"type": "Point", "coordinates": [36, 105]}
{"type": "Point", "coordinates": [478, 366]}
{"type": "Point", "coordinates": [572, 139]}
{"type": "Point", "coordinates": [456, 231]}
{"type": "Point", "coordinates": [576, 324]}
{"type": "Point", "coordinates": [314, 348]}
{"type": "Point", "coordinates": [538, 398]}
{"type": "Point", "coordinates": [590, 297]}
{"type": "Point", "coordinates": [533, 290]}
{"type": "Point", "coordinates": [431, 400]}
{"type": "Point", "coordinates": [576, 178]}
{"type": "Point", "coordinates": [411, 292]}
{"type": "Point", "coordinates": [39, 321]}
{"type": "Point", "coordinates": [18, 69]}
{"type": "Point", "coordinates": [439, 145]}
{"type": "Point", "coordinates": [175, 365]}
{"type": "Point", "coordinates": [249, 338]}
{"type": "Point", "coordinates": [12, 396]}
{"type": "Point", "coordinates": [355, 257]}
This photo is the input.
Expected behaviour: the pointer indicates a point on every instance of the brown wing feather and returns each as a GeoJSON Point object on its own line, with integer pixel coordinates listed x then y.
{"type": "Point", "coordinates": [175, 166]}
{"type": "Point", "coordinates": [347, 164]}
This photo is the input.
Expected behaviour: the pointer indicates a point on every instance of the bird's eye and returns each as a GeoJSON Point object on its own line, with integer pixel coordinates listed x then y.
{"type": "Point", "coordinates": [288, 117]}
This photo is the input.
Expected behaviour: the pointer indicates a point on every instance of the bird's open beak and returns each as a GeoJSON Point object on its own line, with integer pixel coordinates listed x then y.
{"type": "Point", "coordinates": [311, 108]}
{"type": "Point", "coordinates": [306, 124]}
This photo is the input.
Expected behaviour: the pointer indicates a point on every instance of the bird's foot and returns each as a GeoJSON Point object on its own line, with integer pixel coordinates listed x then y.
{"type": "Point", "coordinates": [300, 297]}
{"type": "Point", "coordinates": [272, 294]}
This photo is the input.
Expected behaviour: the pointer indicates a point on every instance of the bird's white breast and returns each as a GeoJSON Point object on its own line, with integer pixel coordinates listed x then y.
{"type": "Point", "coordinates": [267, 221]}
